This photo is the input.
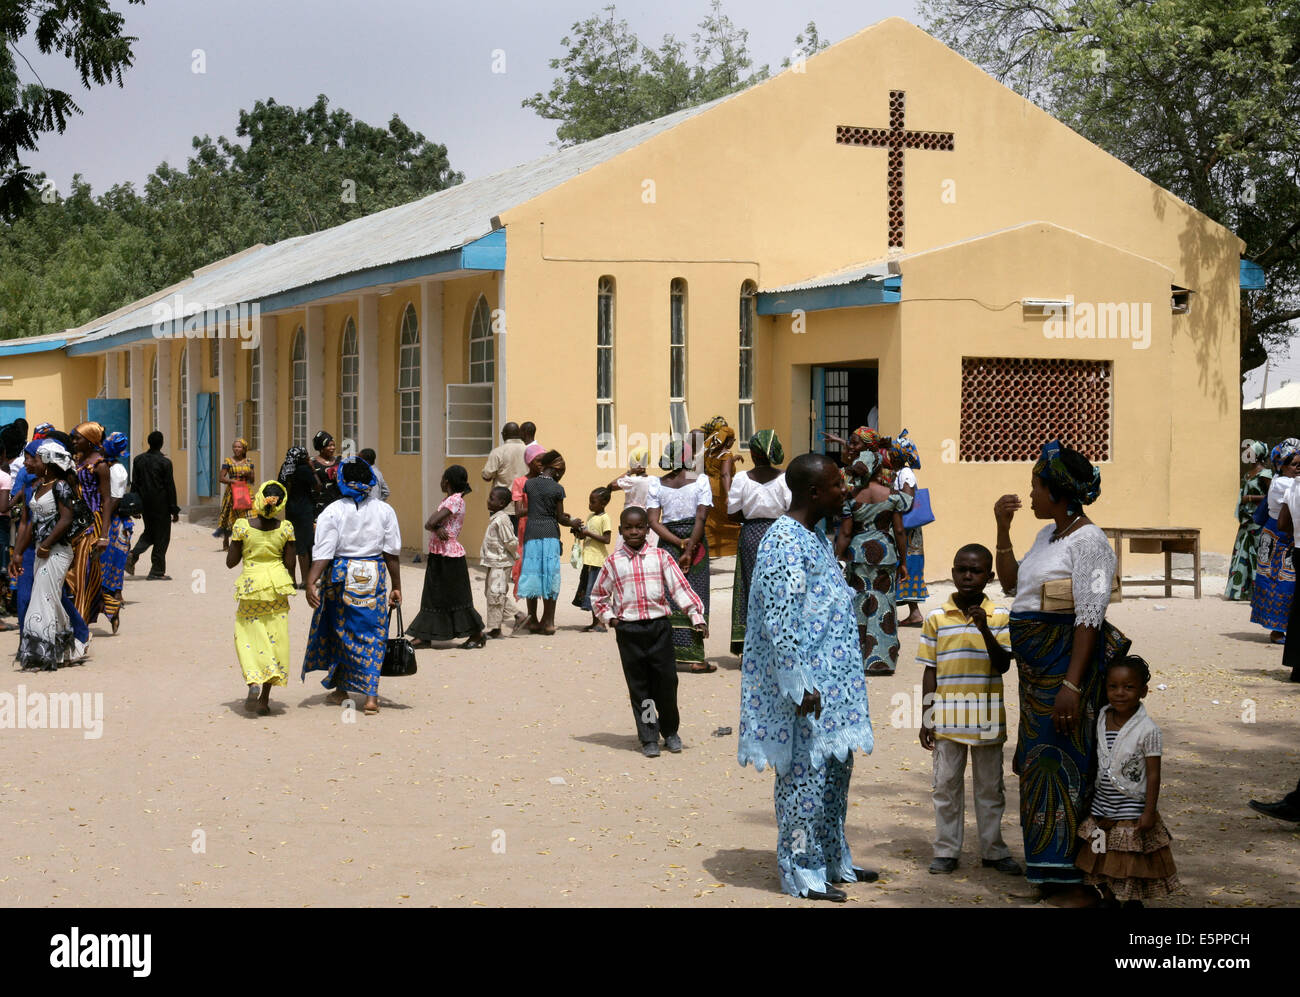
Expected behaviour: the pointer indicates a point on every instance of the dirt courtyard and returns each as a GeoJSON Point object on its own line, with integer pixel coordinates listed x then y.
{"type": "Point", "coordinates": [511, 775]}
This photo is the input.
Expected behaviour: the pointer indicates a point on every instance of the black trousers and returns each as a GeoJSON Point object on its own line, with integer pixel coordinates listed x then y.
{"type": "Point", "coordinates": [158, 534]}
{"type": "Point", "coordinates": [650, 669]}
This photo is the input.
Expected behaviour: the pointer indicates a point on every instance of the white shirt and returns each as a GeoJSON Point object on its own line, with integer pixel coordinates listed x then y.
{"type": "Point", "coordinates": [16, 465]}
{"type": "Point", "coordinates": [1278, 492]}
{"type": "Point", "coordinates": [346, 529]}
{"type": "Point", "coordinates": [117, 477]}
{"type": "Point", "coordinates": [904, 478]}
{"type": "Point", "coordinates": [1084, 556]}
{"type": "Point", "coordinates": [758, 501]}
{"type": "Point", "coordinates": [636, 491]}
{"type": "Point", "coordinates": [679, 503]}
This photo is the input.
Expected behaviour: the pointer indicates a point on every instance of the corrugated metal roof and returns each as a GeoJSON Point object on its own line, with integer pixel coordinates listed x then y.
{"type": "Point", "coordinates": [850, 275]}
{"type": "Point", "coordinates": [442, 221]}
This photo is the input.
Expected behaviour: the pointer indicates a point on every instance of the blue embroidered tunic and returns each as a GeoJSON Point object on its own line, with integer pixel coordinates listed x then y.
{"type": "Point", "coordinates": [802, 635]}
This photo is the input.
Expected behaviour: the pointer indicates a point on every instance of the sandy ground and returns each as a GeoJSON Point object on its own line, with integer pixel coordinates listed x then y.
{"type": "Point", "coordinates": [511, 776]}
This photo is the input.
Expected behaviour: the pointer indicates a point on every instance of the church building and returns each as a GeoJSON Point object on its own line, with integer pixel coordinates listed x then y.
{"type": "Point", "coordinates": [881, 232]}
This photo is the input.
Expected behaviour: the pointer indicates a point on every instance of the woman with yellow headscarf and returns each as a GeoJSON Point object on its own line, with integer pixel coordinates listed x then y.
{"type": "Point", "coordinates": [720, 463]}
{"type": "Point", "coordinates": [236, 475]}
{"type": "Point", "coordinates": [265, 546]}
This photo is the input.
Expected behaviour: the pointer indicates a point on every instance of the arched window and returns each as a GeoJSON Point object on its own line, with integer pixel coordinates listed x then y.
{"type": "Point", "coordinates": [349, 377]}
{"type": "Point", "coordinates": [748, 303]}
{"type": "Point", "coordinates": [185, 398]}
{"type": "Point", "coordinates": [482, 369]}
{"type": "Point", "coordinates": [605, 364]}
{"type": "Point", "coordinates": [153, 394]}
{"type": "Point", "coordinates": [677, 358]}
{"type": "Point", "coordinates": [298, 407]}
{"type": "Point", "coordinates": [252, 423]}
{"type": "Point", "coordinates": [408, 384]}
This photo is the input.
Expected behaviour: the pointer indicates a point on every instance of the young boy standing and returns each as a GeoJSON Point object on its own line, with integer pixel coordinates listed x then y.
{"type": "Point", "coordinates": [635, 592]}
{"type": "Point", "coordinates": [966, 648]}
{"type": "Point", "coordinates": [497, 555]}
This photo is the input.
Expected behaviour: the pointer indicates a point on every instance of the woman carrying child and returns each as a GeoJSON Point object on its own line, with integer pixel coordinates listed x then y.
{"type": "Point", "coordinates": [264, 544]}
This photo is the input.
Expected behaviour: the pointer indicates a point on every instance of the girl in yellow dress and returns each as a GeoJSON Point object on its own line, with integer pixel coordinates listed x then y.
{"type": "Point", "coordinates": [265, 544]}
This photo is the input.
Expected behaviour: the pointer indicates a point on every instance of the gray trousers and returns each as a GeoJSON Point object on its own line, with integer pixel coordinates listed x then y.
{"type": "Point", "coordinates": [950, 798]}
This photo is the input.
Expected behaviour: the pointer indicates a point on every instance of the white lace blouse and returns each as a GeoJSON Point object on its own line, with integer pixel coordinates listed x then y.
{"type": "Point", "coordinates": [1277, 494]}
{"type": "Point", "coordinates": [1085, 556]}
{"type": "Point", "coordinates": [758, 501]}
{"type": "Point", "coordinates": [679, 503]}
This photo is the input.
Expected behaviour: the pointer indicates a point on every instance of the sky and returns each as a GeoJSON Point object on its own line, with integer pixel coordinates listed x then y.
{"type": "Point", "coordinates": [429, 62]}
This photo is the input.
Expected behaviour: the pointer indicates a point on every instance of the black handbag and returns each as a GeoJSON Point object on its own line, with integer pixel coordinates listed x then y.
{"type": "Point", "coordinates": [399, 657]}
{"type": "Point", "coordinates": [130, 505]}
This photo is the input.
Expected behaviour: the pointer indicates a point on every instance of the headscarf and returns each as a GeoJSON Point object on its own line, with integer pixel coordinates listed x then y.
{"type": "Point", "coordinates": [765, 441]}
{"type": "Point", "coordinates": [242, 442]}
{"type": "Point", "coordinates": [1253, 451]}
{"type": "Point", "coordinates": [903, 452]}
{"type": "Point", "coordinates": [32, 447]}
{"type": "Point", "coordinates": [1062, 483]}
{"type": "Point", "coordinates": [42, 431]}
{"type": "Point", "coordinates": [638, 458]}
{"type": "Point", "coordinates": [714, 424]}
{"type": "Point", "coordinates": [269, 506]}
{"type": "Point", "coordinates": [1283, 452]}
{"type": "Point", "coordinates": [295, 457]}
{"type": "Point", "coordinates": [321, 440]}
{"type": "Point", "coordinates": [674, 457]}
{"type": "Point", "coordinates": [866, 438]}
{"type": "Point", "coordinates": [532, 452]}
{"type": "Point", "coordinates": [52, 452]}
{"type": "Point", "coordinates": [91, 432]}
{"type": "Point", "coordinates": [115, 446]}
{"type": "Point", "coordinates": [355, 479]}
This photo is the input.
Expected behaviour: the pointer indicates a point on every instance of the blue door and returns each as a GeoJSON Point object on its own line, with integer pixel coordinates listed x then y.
{"type": "Point", "coordinates": [114, 414]}
{"type": "Point", "coordinates": [205, 452]}
{"type": "Point", "coordinates": [12, 409]}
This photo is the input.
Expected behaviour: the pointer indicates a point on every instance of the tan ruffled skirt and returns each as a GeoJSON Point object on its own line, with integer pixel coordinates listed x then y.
{"type": "Point", "coordinates": [1136, 865]}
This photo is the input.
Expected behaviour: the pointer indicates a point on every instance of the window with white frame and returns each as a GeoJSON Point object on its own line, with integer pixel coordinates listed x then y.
{"type": "Point", "coordinates": [481, 354]}
{"type": "Point", "coordinates": [748, 302]}
{"type": "Point", "coordinates": [153, 394]}
{"type": "Point", "coordinates": [349, 378]}
{"type": "Point", "coordinates": [298, 405]}
{"type": "Point", "coordinates": [185, 398]}
{"type": "Point", "coordinates": [605, 364]}
{"type": "Point", "coordinates": [252, 424]}
{"type": "Point", "coordinates": [408, 384]}
{"type": "Point", "coordinates": [677, 358]}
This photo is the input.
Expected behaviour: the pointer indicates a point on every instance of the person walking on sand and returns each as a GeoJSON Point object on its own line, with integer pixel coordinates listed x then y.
{"type": "Point", "coordinates": [152, 475]}
{"type": "Point", "coordinates": [263, 544]}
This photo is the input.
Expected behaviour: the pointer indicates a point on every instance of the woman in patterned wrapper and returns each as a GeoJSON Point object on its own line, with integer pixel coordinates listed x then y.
{"type": "Point", "coordinates": [1254, 490]}
{"type": "Point", "coordinates": [1063, 644]}
{"type": "Point", "coordinates": [1270, 599]}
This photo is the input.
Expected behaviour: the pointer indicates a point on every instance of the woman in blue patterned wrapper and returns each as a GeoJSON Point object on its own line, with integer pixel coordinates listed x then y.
{"type": "Point", "coordinates": [871, 537]}
{"type": "Point", "coordinates": [117, 529]}
{"type": "Point", "coordinates": [1270, 601]}
{"type": "Point", "coordinates": [1062, 644]}
{"type": "Point", "coordinates": [911, 590]}
{"type": "Point", "coordinates": [355, 562]}
{"type": "Point", "coordinates": [803, 697]}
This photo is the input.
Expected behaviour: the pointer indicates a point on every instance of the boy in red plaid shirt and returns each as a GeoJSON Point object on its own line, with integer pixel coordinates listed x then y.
{"type": "Point", "coordinates": [634, 593]}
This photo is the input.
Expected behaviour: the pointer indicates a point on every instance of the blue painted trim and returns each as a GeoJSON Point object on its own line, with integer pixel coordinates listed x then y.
{"type": "Point", "coordinates": [1252, 276]}
{"type": "Point", "coordinates": [868, 291]}
{"type": "Point", "coordinates": [487, 253]}
{"type": "Point", "coordinates": [18, 350]}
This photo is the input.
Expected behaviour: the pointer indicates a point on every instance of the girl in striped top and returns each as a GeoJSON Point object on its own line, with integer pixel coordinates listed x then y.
{"type": "Point", "coordinates": [1126, 855]}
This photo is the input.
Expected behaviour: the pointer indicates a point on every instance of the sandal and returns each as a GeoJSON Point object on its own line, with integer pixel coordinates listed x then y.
{"type": "Point", "coordinates": [703, 667]}
{"type": "Point", "coordinates": [371, 710]}
{"type": "Point", "coordinates": [473, 644]}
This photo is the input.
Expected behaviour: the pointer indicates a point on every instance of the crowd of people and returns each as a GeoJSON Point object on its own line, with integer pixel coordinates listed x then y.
{"type": "Point", "coordinates": [825, 551]}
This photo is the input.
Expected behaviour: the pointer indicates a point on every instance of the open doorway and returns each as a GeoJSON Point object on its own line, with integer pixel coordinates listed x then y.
{"type": "Point", "coordinates": [844, 398]}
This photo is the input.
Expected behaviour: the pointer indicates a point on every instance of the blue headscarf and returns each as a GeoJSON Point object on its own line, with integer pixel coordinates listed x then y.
{"type": "Point", "coordinates": [358, 490]}
{"type": "Point", "coordinates": [1061, 481]}
{"type": "Point", "coordinates": [1283, 452]}
{"type": "Point", "coordinates": [115, 446]}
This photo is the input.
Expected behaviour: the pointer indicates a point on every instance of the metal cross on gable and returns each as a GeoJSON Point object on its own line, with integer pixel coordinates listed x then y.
{"type": "Point", "coordinates": [895, 138]}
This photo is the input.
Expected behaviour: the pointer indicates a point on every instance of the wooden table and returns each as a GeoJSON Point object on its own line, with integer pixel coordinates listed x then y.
{"type": "Point", "coordinates": [1158, 540]}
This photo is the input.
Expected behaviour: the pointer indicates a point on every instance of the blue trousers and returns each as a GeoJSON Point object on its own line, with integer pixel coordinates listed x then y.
{"type": "Point", "coordinates": [811, 804]}
{"type": "Point", "coordinates": [79, 629]}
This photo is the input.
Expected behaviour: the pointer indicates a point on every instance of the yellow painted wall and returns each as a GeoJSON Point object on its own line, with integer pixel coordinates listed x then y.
{"type": "Point", "coordinates": [54, 386]}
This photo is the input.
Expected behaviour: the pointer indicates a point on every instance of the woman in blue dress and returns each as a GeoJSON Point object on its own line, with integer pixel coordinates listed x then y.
{"type": "Point", "coordinates": [1270, 601]}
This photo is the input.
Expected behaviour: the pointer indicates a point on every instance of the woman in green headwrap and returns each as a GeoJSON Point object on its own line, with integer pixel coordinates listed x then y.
{"type": "Point", "coordinates": [756, 500]}
{"type": "Point", "coordinates": [1254, 487]}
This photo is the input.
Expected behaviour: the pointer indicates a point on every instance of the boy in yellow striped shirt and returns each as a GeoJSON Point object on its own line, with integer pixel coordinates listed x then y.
{"type": "Point", "coordinates": [966, 649]}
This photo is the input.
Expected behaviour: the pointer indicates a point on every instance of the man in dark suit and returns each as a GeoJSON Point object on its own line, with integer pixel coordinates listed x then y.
{"type": "Point", "coordinates": [152, 478]}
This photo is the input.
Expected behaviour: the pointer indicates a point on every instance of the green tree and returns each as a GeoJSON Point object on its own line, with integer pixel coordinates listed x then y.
{"type": "Point", "coordinates": [608, 80]}
{"type": "Point", "coordinates": [1200, 96]}
{"type": "Point", "coordinates": [89, 33]}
